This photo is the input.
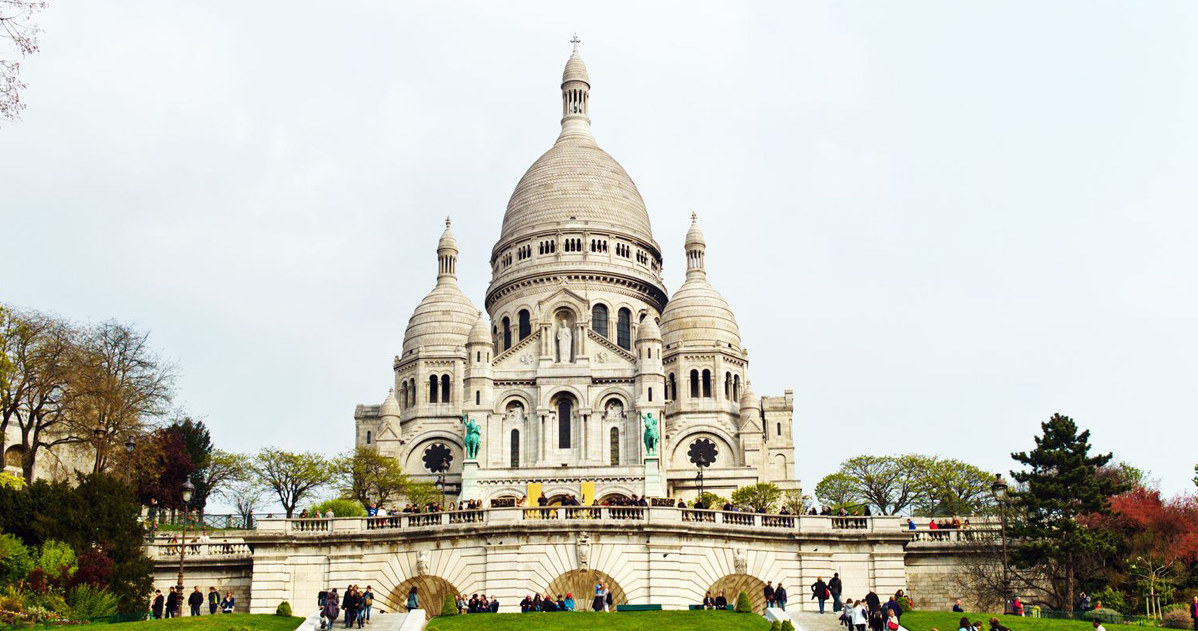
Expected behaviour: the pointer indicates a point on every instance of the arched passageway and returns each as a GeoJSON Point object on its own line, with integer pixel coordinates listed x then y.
{"type": "Point", "coordinates": [733, 584]}
{"type": "Point", "coordinates": [581, 584]}
{"type": "Point", "coordinates": [430, 593]}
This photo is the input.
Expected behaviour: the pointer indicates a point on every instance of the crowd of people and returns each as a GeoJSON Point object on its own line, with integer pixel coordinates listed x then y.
{"type": "Point", "coordinates": [477, 603]}
{"type": "Point", "coordinates": [170, 605]}
{"type": "Point", "coordinates": [353, 606]}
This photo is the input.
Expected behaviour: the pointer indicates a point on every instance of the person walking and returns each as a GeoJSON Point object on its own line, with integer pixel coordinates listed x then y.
{"type": "Point", "coordinates": [860, 616]}
{"type": "Point", "coordinates": [768, 592]}
{"type": "Point", "coordinates": [213, 600]}
{"type": "Point", "coordinates": [194, 600]}
{"type": "Point", "coordinates": [819, 591]}
{"type": "Point", "coordinates": [330, 607]}
{"type": "Point", "coordinates": [835, 587]}
{"type": "Point", "coordinates": [413, 600]}
{"type": "Point", "coordinates": [359, 606]}
{"type": "Point", "coordinates": [780, 596]}
{"type": "Point", "coordinates": [157, 604]}
{"type": "Point", "coordinates": [347, 605]}
{"type": "Point", "coordinates": [368, 598]}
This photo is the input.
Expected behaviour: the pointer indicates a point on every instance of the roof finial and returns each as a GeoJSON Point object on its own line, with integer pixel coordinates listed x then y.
{"type": "Point", "coordinates": [574, 40]}
{"type": "Point", "coordinates": [694, 217]}
{"type": "Point", "coordinates": [447, 221]}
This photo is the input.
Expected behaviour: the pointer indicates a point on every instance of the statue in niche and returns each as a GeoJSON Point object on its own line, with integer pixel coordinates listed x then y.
{"type": "Point", "coordinates": [740, 562]}
{"type": "Point", "coordinates": [564, 339]}
{"type": "Point", "coordinates": [473, 437]}
{"type": "Point", "coordinates": [614, 411]}
{"type": "Point", "coordinates": [422, 562]}
{"type": "Point", "coordinates": [584, 550]}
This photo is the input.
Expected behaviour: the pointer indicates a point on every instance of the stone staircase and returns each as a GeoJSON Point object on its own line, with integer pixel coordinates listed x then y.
{"type": "Point", "coordinates": [407, 621]}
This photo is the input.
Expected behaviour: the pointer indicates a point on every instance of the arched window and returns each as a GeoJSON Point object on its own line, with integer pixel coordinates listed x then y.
{"type": "Point", "coordinates": [727, 385]}
{"type": "Point", "coordinates": [599, 319]}
{"type": "Point", "coordinates": [736, 388]}
{"type": "Point", "coordinates": [564, 409]}
{"type": "Point", "coordinates": [444, 388]}
{"type": "Point", "coordinates": [368, 436]}
{"type": "Point", "coordinates": [478, 396]}
{"type": "Point", "coordinates": [694, 384]}
{"type": "Point", "coordinates": [403, 396]}
{"type": "Point", "coordinates": [779, 429]}
{"type": "Point", "coordinates": [650, 393]}
{"type": "Point", "coordinates": [515, 457]}
{"type": "Point", "coordinates": [624, 329]}
{"type": "Point", "coordinates": [432, 388]}
{"type": "Point", "coordinates": [706, 384]}
{"type": "Point", "coordinates": [672, 389]}
{"type": "Point", "coordinates": [412, 396]}
{"type": "Point", "coordinates": [615, 446]}
{"type": "Point", "coordinates": [525, 325]}
{"type": "Point", "coordinates": [507, 333]}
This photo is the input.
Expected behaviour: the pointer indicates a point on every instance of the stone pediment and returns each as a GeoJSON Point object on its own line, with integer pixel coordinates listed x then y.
{"type": "Point", "coordinates": [563, 296]}
{"type": "Point", "coordinates": [521, 356]}
{"type": "Point", "coordinates": [604, 351]}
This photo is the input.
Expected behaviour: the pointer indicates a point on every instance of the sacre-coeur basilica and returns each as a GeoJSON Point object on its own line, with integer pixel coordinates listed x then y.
{"type": "Point", "coordinates": [578, 346]}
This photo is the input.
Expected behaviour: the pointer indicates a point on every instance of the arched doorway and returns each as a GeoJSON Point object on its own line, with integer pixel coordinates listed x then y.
{"type": "Point", "coordinates": [581, 584]}
{"type": "Point", "coordinates": [430, 593]}
{"type": "Point", "coordinates": [733, 584]}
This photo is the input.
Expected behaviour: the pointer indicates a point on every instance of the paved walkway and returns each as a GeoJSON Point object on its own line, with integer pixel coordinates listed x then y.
{"type": "Point", "coordinates": [809, 621]}
{"type": "Point", "coordinates": [378, 622]}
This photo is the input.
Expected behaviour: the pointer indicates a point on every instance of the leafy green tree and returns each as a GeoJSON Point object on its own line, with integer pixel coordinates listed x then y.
{"type": "Point", "coordinates": [794, 501]}
{"type": "Point", "coordinates": [760, 496]}
{"type": "Point", "coordinates": [711, 500]}
{"type": "Point", "coordinates": [952, 487]}
{"type": "Point", "coordinates": [422, 493]}
{"type": "Point", "coordinates": [222, 470]}
{"type": "Point", "coordinates": [196, 441]}
{"type": "Point", "coordinates": [366, 475]}
{"type": "Point", "coordinates": [1059, 484]}
{"type": "Point", "coordinates": [292, 476]}
{"type": "Point", "coordinates": [340, 508]}
{"type": "Point", "coordinates": [839, 490]}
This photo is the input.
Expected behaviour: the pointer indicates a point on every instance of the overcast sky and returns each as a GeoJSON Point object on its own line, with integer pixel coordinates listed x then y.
{"type": "Point", "coordinates": [938, 222]}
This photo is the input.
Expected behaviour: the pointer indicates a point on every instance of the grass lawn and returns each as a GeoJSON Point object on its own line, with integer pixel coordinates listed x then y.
{"type": "Point", "coordinates": [622, 620]}
{"type": "Point", "coordinates": [949, 621]}
{"type": "Point", "coordinates": [219, 622]}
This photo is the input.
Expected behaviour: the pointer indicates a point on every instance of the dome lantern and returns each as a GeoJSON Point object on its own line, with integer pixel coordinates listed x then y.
{"type": "Point", "coordinates": [447, 255]}
{"type": "Point", "coordinates": [696, 249]}
{"type": "Point", "coordinates": [576, 95]}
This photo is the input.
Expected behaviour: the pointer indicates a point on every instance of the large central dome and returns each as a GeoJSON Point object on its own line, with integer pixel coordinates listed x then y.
{"type": "Point", "coordinates": [576, 181]}
{"type": "Point", "coordinates": [576, 216]}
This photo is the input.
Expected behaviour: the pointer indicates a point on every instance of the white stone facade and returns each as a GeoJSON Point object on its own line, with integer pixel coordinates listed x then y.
{"type": "Point", "coordinates": [579, 341]}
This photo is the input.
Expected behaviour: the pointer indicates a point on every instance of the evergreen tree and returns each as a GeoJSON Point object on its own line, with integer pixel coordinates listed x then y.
{"type": "Point", "coordinates": [1060, 483]}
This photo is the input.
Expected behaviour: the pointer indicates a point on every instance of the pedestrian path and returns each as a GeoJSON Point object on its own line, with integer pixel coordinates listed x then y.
{"type": "Point", "coordinates": [815, 621]}
{"type": "Point", "coordinates": [378, 622]}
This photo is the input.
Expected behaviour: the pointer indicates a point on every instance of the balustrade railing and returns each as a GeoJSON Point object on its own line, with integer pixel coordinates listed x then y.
{"type": "Point", "coordinates": [211, 549]}
{"type": "Point", "coordinates": [621, 515]}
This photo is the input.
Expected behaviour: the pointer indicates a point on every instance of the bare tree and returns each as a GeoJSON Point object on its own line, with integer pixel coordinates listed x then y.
{"type": "Point", "coordinates": [123, 385]}
{"type": "Point", "coordinates": [38, 395]}
{"type": "Point", "coordinates": [16, 26]}
{"type": "Point", "coordinates": [292, 476]}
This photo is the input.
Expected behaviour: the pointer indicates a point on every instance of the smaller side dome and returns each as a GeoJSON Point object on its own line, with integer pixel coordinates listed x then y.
{"type": "Point", "coordinates": [694, 236]}
{"type": "Point", "coordinates": [480, 333]}
{"type": "Point", "coordinates": [390, 406]}
{"type": "Point", "coordinates": [648, 331]}
{"type": "Point", "coordinates": [748, 398]}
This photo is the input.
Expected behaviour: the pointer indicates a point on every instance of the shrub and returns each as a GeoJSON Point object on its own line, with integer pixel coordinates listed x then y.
{"type": "Point", "coordinates": [449, 607]}
{"type": "Point", "coordinates": [1105, 616]}
{"type": "Point", "coordinates": [57, 560]}
{"type": "Point", "coordinates": [15, 561]}
{"type": "Point", "coordinates": [88, 602]}
{"type": "Point", "coordinates": [284, 609]}
{"type": "Point", "coordinates": [340, 508]}
{"type": "Point", "coordinates": [1110, 599]}
{"type": "Point", "coordinates": [904, 604]}
{"type": "Point", "coordinates": [1176, 619]}
{"type": "Point", "coordinates": [776, 625]}
{"type": "Point", "coordinates": [742, 603]}
{"type": "Point", "coordinates": [788, 626]}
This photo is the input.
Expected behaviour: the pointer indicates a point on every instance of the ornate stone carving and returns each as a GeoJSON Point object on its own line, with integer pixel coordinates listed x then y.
{"type": "Point", "coordinates": [526, 359]}
{"type": "Point", "coordinates": [740, 562]}
{"type": "Point", "coordinates": [423, 559]}
{"type": "Point", "coordinates": [583, 547]}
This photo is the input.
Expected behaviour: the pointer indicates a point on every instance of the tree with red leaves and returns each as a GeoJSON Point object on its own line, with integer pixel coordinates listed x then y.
{"type": "Point", "coordinates": [1161, 538]}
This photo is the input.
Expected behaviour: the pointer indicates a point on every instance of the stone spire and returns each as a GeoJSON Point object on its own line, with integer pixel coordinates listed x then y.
{"type": "Point", "coordinates": [447, 256]}
{"type": "Point", "coordinates": [696, 249]}
{"type": "Point", "coordinates": [576, 97]}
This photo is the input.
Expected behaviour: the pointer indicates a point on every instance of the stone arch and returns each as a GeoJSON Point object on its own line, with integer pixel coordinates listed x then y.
{"type": "Point", "coordinates": [551, 394]}
{"type": "Point", "coordinates": [615, 489]}
{"type": "Point", "coordinates": [581, 584]}
{"type": "Point", "coordinates": [506, 398]}
{"type": "Point", "coordinates": [13, 456]}
{"type": "Point", "coordinates": [733, 584]}
{"type": "Point", "coordinates": [430, 593]}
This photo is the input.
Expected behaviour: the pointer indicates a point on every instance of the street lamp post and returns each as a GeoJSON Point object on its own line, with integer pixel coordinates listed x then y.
{"type": "Point", "coordinates": [441, 487]}
{"type": "Point", "coordinates": [98, 433]}
{"type": "Point", "coordinates": [999, 490]}
{"type": "Point", "coordinates": [188, 489]}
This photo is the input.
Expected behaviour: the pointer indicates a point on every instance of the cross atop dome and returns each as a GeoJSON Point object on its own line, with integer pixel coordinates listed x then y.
{"type": "Point", "coordinates": [574, 40]}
